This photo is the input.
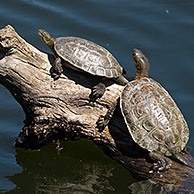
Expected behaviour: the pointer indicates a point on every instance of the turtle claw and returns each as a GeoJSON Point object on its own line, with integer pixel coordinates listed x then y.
{"type": "Point", "coordinates": [162, 163]}
{"type": "Point", "coordinates": [97, 91]}
{"type": "Point", "coordinates": [101, 124]}
{"type": "Point", "coordinates": [160, 166]}
{"type": "Point", "coordinates": [55, 76]}
{"type": "Point", "coordinates": [103, 121]}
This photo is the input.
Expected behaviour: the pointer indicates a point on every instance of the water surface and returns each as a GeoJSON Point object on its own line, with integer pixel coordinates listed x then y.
{"type": "Point", "coordinates": [162, 29]}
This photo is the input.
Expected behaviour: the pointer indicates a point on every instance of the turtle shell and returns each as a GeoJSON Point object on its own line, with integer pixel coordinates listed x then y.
{"type": "Point", "coordinates": [87, 56]}
{"type": "Point", "coordinates": [152, 117]}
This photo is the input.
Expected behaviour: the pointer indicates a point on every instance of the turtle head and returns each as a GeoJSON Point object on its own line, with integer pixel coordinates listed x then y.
{"type": "Point", "coordinates": [47, 38]}
{"type": "Point", "coordinates": [141, 63]}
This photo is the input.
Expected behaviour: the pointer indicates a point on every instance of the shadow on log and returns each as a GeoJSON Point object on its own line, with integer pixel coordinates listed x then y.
{"type": "Point", "coordinates": [62, 110]}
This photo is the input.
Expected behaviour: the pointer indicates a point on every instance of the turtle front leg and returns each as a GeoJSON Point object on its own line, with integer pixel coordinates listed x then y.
{"type": "Point", "coordinates": [162, 163]}
{"type": "Point", "coordinates": [56, 69]}
{"type": "Point", "coordinates": [103, 121]}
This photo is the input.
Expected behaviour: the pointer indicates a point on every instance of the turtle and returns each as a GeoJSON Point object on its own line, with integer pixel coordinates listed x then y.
{"type": "Point", "coordinates": [85, 56]}
{"type": "Point", "coordinates": [153, 119]}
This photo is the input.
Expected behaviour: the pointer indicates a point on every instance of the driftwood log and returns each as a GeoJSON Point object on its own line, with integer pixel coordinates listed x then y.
{"type": "Point", "coordinates": [62, 110]}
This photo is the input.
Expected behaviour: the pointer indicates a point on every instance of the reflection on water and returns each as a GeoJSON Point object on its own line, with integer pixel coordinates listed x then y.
{"type": "Point", "coordinates": [91, 181]}
{"type": "Point", "coordinates": [162, 29]}
{"type": "Point", "coordinates": [150, 187]}
{"type": "Point", "coordinates": [51, 171]}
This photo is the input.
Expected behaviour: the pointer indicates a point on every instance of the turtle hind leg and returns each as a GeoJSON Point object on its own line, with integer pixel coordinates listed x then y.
{"type": "Point", "coordinates": [121, 80]}
{"type": "Point", "coordinates": [97, 91]}
{"type": "Point", "coordinates": [56, 69]}
{"type": "Point", "coordinates": [161, 163]}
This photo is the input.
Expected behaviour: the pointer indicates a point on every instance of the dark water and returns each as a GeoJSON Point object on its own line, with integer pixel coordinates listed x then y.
{"type": "Point", "coordinates": [163, 29]}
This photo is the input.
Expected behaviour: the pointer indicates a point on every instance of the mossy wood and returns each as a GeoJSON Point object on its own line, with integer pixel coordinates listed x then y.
{"type": "Point", "coordinates": [62, 110]}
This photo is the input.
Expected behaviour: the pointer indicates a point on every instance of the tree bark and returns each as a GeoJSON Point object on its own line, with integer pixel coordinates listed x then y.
{"type": "Point", "coordinates": [62, 110]}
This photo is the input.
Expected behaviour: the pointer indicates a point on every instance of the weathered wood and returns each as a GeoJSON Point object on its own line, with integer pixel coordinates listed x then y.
{"type": "Point", "coordinates": [62, 110]}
